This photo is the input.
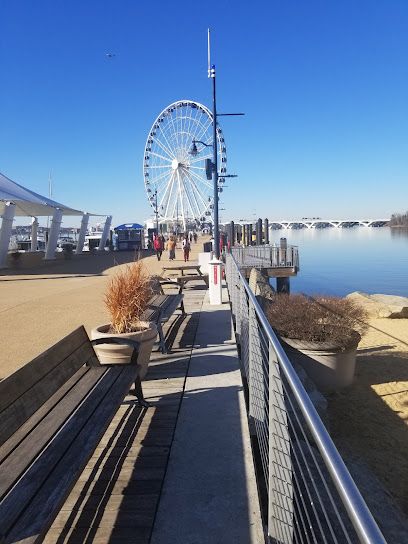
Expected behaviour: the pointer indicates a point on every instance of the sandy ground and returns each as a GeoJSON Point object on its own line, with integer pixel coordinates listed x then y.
{"type": "Point", "coordinates": [43, 301]}
{"type": "Point", "coordinates": [368, 420]}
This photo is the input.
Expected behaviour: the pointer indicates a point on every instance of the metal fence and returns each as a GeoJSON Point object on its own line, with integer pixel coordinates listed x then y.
{"type": "Point", "coordinates": [266, 256]}
{"type": "Point", "coordinates": [311, 497]}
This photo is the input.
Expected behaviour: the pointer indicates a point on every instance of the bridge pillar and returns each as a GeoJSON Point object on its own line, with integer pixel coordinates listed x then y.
{"type": "Point", "coordinates": [283, 285]}
{"type": "Point", "coordinates": [250, 234]}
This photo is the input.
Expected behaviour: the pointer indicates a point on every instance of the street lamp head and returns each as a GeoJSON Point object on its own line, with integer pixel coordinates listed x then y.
{"type": "Point", "coordinates": [193, 151]}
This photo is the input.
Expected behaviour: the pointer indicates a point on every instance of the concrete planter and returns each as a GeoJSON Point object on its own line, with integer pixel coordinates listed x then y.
{"type": "Point", "coordinates": [118, 354]}
{"type": "Point", "coordinates": [328, 366]}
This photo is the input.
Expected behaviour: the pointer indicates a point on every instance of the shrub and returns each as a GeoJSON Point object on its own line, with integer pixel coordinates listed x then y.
{"type": "Point", "coordinates": [127, 297]}
{"type": "Point", "coordinates": [316, 318]}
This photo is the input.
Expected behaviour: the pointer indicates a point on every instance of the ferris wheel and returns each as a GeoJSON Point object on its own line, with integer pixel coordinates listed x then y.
{"type": "Point", "coordinates": [175, 179]}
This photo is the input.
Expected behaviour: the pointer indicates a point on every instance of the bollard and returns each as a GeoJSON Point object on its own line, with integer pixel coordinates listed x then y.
{"type": "Point", "coordinates": [215, 284]}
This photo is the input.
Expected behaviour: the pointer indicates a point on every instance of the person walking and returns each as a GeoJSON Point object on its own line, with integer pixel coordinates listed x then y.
{"type": "Point", "coordinates": [195, 237]}
{"type": "Point", "coordinates": [186, 247]}
{"type": "Point", "coordinates": [158, 246]}
{"type": "Point", "coordinates": [171, 248]}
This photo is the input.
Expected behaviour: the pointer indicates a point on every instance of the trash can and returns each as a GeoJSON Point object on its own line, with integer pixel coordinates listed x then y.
{"type": "Point", "coordinates": [207, 247]}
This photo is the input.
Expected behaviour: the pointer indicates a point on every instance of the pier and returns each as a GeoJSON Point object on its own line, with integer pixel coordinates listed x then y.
{"type": "Point", "coordinates": [183, 470]}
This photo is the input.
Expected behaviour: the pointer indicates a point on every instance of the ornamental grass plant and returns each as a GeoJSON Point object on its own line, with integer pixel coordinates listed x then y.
{"type": "Point", "coordinates": [127, 297]}
{"type": "Point", "coordinates": [316, 318]}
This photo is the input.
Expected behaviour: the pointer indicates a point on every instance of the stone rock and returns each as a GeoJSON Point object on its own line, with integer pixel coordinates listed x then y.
{"type": "Point", "coordinates": [261, 288]}
{"type": "Point", "coordinates": [394, 306]}
{"type": "Point", "coordinates": [383, 306]}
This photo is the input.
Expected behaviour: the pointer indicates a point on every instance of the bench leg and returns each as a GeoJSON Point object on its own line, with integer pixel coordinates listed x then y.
{"type": "Point", "coordinates": [162, 343]}
{"type": "Point", "coordinates": [139, 393]}
{"type": "Point", "coordinates": [182, 308]}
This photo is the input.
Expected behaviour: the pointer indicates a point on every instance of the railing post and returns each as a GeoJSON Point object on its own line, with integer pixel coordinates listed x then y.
{"type": "Point", "coordinates": [280, 492]}
{"type": "Point", "coordinates": [251, 357]}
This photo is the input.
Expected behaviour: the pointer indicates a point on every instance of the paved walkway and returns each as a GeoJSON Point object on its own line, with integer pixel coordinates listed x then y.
{"type": "Point", "coordinates": [180, 471]}
{"type": "Point", "coordinates": [187, 458]}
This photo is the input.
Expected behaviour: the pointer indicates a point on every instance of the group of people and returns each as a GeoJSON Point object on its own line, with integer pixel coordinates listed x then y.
{"type": "Point", "coordinates": [170, 246]}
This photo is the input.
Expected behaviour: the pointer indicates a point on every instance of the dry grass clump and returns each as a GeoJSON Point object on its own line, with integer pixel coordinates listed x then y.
{"type": "Point", "coordinates": [127, 297]}
{"type": "Point", "coordinates": [316, 318]}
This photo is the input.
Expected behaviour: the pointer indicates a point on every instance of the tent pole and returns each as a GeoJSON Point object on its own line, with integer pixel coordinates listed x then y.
{"type": "Point", "coordinates": [5, 232]}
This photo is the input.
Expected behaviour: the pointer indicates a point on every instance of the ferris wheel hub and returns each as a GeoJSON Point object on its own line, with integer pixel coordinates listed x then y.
{"type": "Point", "coordinates": [174, 164]}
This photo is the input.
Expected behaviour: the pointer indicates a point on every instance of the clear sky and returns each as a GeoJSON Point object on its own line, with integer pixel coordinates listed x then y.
{"type": "Point", "coordinates": [323, 84]}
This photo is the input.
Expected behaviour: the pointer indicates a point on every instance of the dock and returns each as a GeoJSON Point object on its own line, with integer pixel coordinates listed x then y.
{"type": "Point", "coordinates": [181, 470]}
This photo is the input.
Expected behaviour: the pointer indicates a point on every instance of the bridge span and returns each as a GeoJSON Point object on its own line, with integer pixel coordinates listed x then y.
{"type": "Point", "coordinates": [325, 223]}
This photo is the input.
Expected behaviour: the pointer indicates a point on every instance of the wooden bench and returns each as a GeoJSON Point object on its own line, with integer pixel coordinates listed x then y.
{"type": "Point", "coordinates": [53, 413]}
{"type": "Point", "coordinates": [163, 305]}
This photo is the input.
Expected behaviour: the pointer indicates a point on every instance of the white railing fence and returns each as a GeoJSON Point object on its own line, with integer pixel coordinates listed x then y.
{"type": "Point", "coordinates": [266, 256]}
{"type": "Point", "coordinates": [311, 497]}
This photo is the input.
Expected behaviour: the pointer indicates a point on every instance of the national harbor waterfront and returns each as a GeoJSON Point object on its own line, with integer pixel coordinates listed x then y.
{"type": "Point", "coordinates": [339, 261]}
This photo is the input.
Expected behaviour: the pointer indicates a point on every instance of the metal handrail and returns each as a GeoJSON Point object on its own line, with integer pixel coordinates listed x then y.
{"type": "Point", "coordinates": [364, 524]}
{"type": "Point", "coordinates": [266, 256]}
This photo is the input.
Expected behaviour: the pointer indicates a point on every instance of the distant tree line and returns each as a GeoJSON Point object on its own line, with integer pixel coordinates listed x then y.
{"type": "Point", "coordinates": [399, 220]}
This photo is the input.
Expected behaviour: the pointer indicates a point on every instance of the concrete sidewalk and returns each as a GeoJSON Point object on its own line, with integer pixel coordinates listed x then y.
{"type": "Point", "coordinates": [209, 493]}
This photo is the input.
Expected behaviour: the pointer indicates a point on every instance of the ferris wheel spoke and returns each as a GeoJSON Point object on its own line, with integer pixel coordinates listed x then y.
{"type": "Point", "coordinates": [164, 197]}
{"type": "Point", "coordinates": [187, 193]}
{"type": "Point", "coordinates": [163, 147]}
{"type": "Point", "coordinates": [168, 144]}
{"type": "Point", "coordinates": [159, 177]}
{"type": "Point", "coordinates": [204, 128]}
{"type": "Point", "coordinates": [196, 188]}
{"type": "Point", "coordinates": [198, 159]}
{"type": "Point", "coordinates": [200, 179]}
{"type": "Point", "coordinates": [158, 166]}
{"type": "Point", "coordinates": [170, 187]}
{"type": "Point", "coordinates": [160, 156]}
{"type": "Point", "coordinates": [181, 199]}
{"type": "Point", "coordinates": [191, 125]}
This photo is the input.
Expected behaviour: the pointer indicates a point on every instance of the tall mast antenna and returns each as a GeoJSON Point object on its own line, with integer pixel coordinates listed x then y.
{"type": "Point", "coordinates": [209, 63]}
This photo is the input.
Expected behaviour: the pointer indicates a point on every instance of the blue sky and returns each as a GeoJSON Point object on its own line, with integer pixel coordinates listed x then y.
{"type": "Point", "coordinates": [323, 85]}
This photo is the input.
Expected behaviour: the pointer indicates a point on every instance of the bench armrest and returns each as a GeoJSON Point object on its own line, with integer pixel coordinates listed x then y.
{"type": "Point", "coordinates": [125, 341]}
{"type": "Point", "coordinates": [158, 309]}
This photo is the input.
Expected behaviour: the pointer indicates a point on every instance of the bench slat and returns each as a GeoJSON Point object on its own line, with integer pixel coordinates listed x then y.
{"type": "Point", "coordinates": [71, 450]}
{"type": "Point", "coordinates": [34, 420]}
{"type": "Point", "coordinates": [64, 457]}
{"type": "Point", "coordinates": [33, 444]}
{"type": "Point", "coordinates": [27, 376]}
{"type": "Point", "coordinates": [167, 303]}
{"type": "Point", "coordinates": [25, 405]}
{"type": "Point", "coordinates": [171, 306]}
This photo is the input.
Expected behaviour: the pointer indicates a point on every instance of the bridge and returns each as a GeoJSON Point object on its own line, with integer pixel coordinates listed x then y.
{"type": "Point", "coordinates": [326, 223]}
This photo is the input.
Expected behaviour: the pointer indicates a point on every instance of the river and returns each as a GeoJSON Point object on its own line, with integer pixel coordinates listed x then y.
{"type": "Point", "coordinates": [338, 261]}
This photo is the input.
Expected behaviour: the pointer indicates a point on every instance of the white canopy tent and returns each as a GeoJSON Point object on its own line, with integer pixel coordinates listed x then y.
{"type": "Point", "coordinates": [16, 200]}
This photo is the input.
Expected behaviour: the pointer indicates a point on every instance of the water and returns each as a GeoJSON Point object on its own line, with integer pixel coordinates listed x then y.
{"type": "Point", "coordinates": [338, 261]}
